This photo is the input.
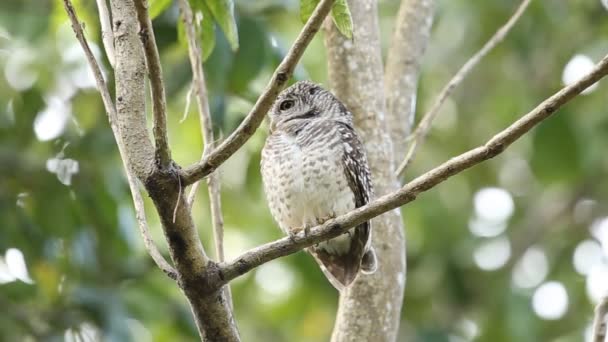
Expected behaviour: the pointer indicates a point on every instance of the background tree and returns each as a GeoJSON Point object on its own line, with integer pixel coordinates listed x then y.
{"type": "Point", "coordinates": [485, 249]}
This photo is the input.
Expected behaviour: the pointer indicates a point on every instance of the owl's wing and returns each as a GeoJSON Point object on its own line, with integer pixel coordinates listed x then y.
{"type": "Point", "coordinates": [342, 269]}
{"type": "Point", "coordinates": [357, 172]}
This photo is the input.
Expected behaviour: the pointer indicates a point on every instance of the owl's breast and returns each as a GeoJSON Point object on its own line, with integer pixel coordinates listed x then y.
{"type": "Point", "coordinates": [304, 179]}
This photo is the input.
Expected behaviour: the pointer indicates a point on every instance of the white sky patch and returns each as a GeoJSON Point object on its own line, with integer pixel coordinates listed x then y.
{"type": "Point", "coordinates": [16, 265]}
{"type": "Point", "coordinates": [597, 282]}
{"type": "Point", "coordinates": [276, 280]}
{"type": "Point", "coordinates": [50, 123]}
{"type": "Point", "coordinates": [493, 254]}
{"type": "Point", "coordinates": [531, 269]}
{"type": "Point", "coordinates": [599, 230]}
{"type": "Point", "coordinates": [578, 67]}
{"type": "Point", "coordinates": [587, 254]}
{"type": "Point", "coordinates": [493, 204]}
{"type": "Point", "coordinates": [5, 274]}
{"type": "Point", "coordinates": [20, 71]}
{"type": "Point", "coordinates": [550, 300]}
{"type": "Point", "coordinates": [486, 228]}
{"type": "Point", "coordinates": [468, 329]}
{"type": "Point", "coordinates": [63, 168]}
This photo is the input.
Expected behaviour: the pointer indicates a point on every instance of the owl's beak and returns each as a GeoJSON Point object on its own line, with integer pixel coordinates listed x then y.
{"type": "Point", "coordinates": [272, 126]}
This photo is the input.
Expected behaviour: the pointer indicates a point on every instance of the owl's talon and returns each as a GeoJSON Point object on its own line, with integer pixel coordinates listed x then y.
{"type": "Point", "coordinates": [293, 232]}
{"type": "Point", "coordinates": [322, 220]}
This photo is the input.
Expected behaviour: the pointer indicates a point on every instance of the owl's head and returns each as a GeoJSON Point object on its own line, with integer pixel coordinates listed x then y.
{"type": "Point", "coordinates": [306, 100]}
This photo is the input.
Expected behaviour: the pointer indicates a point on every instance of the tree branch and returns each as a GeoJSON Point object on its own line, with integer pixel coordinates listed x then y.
{"type": "Point", "coordinates": [212, 314]}
{"type": "Point", "coordinates": [410, 39]}
{"type": "Point", "coordinates": [425, 124]}
{"type": "Point", "coordinates": [408, 193]}
{"type": "Point", "coordinates": [112, 117]}
{"type": "Point", "coordinates": [213, 181]}
{"type": "Point", "coordinates": [140, 215]}
{"type": "Point", "coordinates": [255, 117]}
{"type": "Point", "coordinates": [599, 322]}
{"type": "Point", "coordinates": [155, 74]}
{"type": "Point", "coordinates": [369, 309]}
{"type": "Point", "coordinates": [107, 35]}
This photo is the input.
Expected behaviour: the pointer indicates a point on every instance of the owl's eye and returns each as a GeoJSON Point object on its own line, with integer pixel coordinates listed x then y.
{"type": "Point", "coordinates": [285, 105]}
{"type": "Point", "coordinates": [312, 91]}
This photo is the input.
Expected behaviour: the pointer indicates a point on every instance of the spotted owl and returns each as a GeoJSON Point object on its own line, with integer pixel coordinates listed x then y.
{"type": "Point", "coordinates": [314, 168]}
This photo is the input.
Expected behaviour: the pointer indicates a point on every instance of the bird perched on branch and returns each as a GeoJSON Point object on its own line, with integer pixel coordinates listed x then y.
{"type": "Point", "coordinates": [314, 168]}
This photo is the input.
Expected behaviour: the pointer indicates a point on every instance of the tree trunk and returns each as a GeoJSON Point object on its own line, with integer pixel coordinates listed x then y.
{"type": "Point", "coordinates": [370, 309]}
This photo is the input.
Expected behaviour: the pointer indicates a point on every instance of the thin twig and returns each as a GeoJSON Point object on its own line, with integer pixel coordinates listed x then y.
{"type": "Point", "coordinates": [112, 117]}
{"type": "Point", "coordinates": [107, 34]}
{"type": "Point", "coordinates": [253, 120]}
{"type": "Point", "coordinates": [599, 322]}
{"type": "Point", "coordinates": [155, 74]}
{"type": "Point", "coordinates": [422, 130]}
{"type": "Point", "coordinates": [408, 193]}
{"type": "Point", "coordinates": [188, 101]}
{"type": "Point", "coordinates": [179, 195]}
{"type": "Point", "coordinates": [140, 214]}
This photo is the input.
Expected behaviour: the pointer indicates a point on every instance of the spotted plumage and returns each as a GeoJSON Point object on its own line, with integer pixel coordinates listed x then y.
{"type": "Point", "coordinates": [314, 168]}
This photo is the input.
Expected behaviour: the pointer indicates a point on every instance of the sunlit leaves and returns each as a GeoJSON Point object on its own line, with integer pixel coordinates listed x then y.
{"type": "Point", "coordinates": [342, 18]}
{"type": "Point", "coordinates": [339, 12]}
{"type": "Point", "coordinates": [206, 14]}
{"type": "Point", "coordinates": [157, 7]}
{"type": "Point", "coordinates": [223, 12]}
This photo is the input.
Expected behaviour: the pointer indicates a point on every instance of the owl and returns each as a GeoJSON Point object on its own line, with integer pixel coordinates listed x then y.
{"type": "Point", "coordinates": [314, 168]}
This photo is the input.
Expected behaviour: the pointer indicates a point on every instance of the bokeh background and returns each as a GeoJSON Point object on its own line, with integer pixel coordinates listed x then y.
{"type": "Point", "coordinates": [512, 250]}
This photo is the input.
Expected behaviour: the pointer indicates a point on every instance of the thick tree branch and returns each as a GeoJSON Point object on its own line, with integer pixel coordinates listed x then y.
{"type": "Point", "coordinates": [213, 181]}
{"type": "Point", "coordinates": [410, 39]}
{"type": "Point", "coordinates": [107, 35]}
{"type": "Point", "coordinates": [425, 124]}
{"type": "Point", "coordinates": [369, 309]}
{"type": "Point", "coordinates": [111, 112]}
{"type": "Point", "coordinates": [408, 193]}
{"type": "Point", "coordinates": [155, 74]}
{"type": "Point", "coordinates": [255, 117]}
{"type": "Point", "coordinates": [211, 311]}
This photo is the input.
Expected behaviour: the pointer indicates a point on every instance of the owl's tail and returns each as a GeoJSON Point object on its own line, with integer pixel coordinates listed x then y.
{"type": "Point", "coordinates": [369, 262]}
{"type": "Point", "coordinates": [342, 270]}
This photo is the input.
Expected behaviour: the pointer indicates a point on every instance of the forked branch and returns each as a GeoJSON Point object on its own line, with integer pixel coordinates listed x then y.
{"type": "Point", "coordinates": [200, 88]}
{"type": "Point", "coordinates": [253, 120]}
{"type": "Point", "coordinates": [111, 112]}
{"type": "Point", "coordinates": [155, 74]}
{"type": "Point", "coordinates": [423, 128]}
{"type": "Point", "coordinates": [411, 190]}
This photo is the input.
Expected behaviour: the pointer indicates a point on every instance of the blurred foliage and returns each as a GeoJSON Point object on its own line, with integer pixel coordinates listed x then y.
{"type": "Point", "coordinates": [91, 275]}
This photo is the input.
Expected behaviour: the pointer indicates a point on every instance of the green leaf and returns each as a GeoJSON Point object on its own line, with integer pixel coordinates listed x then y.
{"type": "Point", "coordinates": [342, 18]}
{"type": "Point", "coordinates": [205, 28]}
{"type": "Point", "coordinates": [339, 13]}
{"type": "Point", "coordinates": [306, 8]}
{"type": "Point", "coordinates": [251, 57]}
{"type": "Point", "coordinates": [223, 12]}
{"type": "Point", "coordinates": [157, 7]}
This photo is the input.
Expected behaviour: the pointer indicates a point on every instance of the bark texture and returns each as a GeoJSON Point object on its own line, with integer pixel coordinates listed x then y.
{"type": "Point", "coordinates": [370, 309]}
{"type": "Point", "coordinates": [410, 39]}
{"type": "Point", "coordinates": [211, 311]}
